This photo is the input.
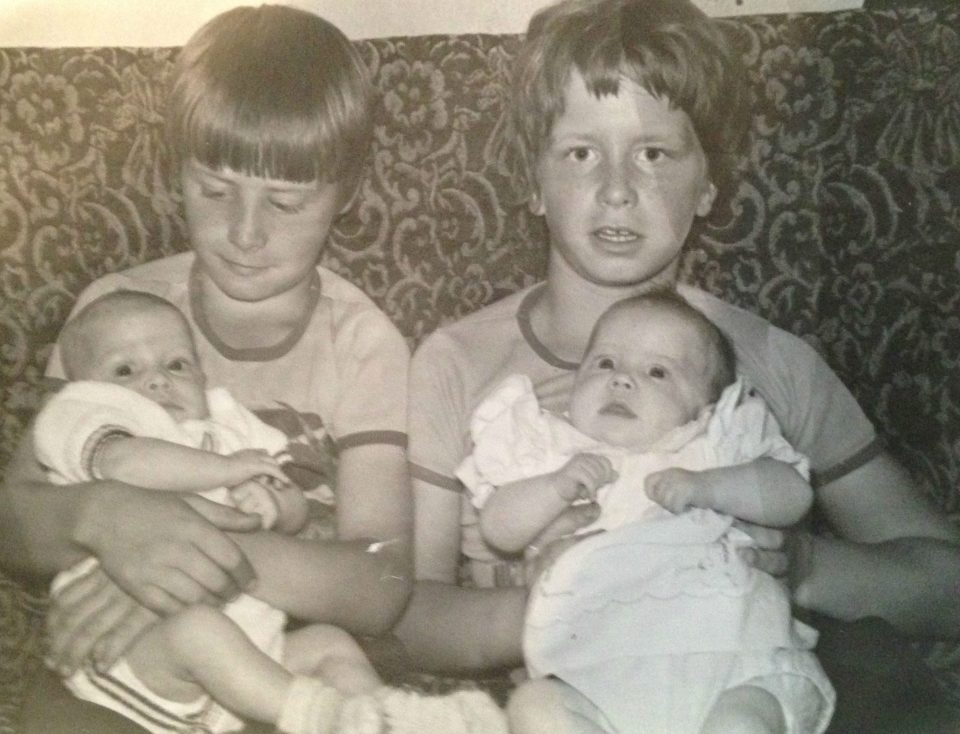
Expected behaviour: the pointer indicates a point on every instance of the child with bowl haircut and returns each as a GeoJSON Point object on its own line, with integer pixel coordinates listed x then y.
{"type": "Point", "coordinates": [269, 123]}
{"type": "Point", "coordinates": [657, 625]}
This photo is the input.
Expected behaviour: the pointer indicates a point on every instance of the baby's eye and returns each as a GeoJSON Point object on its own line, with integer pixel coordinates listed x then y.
{"type": "Point", "coordinates": [657, 372]}
{"type": "Point", "coordinates": [605, 363]}
{"type": "Point", "coordinates": [122, 370]}
{"type": "Point", "coordinates": [176, 365]}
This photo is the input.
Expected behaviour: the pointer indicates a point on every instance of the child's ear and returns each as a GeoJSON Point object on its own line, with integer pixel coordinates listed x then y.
{"type": "Point", "coordinates": [707, 198]}
{"type": "Point", "coordinates": [349, 201]}
{"type": "Point", "coordinates": [535, 202]}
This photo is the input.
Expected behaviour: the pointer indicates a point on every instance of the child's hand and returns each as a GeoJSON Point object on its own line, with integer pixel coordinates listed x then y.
{"type": "Point", "coordinates": [254, 497]}
{"type": "Point", "coordinates": [249, 463]}
{"type": "Point", "coordinates": [583, 475]}
{"type": "Point", "coordinates": [679, 489]}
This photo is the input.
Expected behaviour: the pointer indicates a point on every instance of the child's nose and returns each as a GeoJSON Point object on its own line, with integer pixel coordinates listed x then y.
{"type": "Point", "coordinates": [617, 187]}
{"type": "Point", "coordinates": [247, 231]}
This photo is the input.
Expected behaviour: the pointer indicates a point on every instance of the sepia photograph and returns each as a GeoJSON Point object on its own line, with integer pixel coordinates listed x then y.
{"type": "Point", "coordinates": [480, 367]}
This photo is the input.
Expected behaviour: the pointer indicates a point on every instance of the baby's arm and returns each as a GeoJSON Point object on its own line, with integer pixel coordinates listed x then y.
{"type": "Point", "coordinates": [517, 512]}
{"type": "Point", "coordinates": [157, 464]}
{"type": "Point", "coordinates": [765, 491]}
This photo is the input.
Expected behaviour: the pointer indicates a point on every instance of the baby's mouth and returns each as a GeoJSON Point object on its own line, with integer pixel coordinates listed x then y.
{"type": "Point", "coordinates": [617, 235]}
{"type": "Point", "coordinates": [617, 409]}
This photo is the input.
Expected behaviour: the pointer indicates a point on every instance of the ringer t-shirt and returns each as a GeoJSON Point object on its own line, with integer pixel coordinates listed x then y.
{"type": "Point", "coordinates": [460, 363]}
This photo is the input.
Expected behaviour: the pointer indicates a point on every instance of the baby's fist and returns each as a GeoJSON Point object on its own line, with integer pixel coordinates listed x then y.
{"type": "Point", "coordinates": [254, 498]}
{"type": "Point", "coordinates": [583, 475]}
{"type": "Point", "coordinates": [677, 489]}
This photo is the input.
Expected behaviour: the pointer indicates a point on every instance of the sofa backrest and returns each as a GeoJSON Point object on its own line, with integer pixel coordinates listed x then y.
{"type": "Point", "coordinates": [844, 229]}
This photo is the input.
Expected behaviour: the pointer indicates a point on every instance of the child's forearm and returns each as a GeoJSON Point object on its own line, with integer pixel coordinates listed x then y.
{"type": "Point", "coordinates": [158, 464]}
{"type": "Point", "coordinates": [358, 585]}
{"type": "Point", "coordinates": [517, 512]}
{"type": "Point", "coordinates": [765, 491]}
{"type": "Point", "coordinates": [38, 520]}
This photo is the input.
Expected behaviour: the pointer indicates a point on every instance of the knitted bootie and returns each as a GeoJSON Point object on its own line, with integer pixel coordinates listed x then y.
{"type": "Point", "coordinates": [311, 707]}
{"type": "Point", "coordinates": [361, 715]}
{"type": "Point", "coordinates": [462, 712]}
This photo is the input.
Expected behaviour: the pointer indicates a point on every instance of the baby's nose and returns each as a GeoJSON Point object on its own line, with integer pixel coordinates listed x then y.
{"type": "Point", "coordinates": [156, 380]}
{"type": "Point", "coordinates": [621, 381]}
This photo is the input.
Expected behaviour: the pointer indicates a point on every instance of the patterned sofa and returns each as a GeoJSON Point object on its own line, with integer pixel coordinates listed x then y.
{"type": "Point", "coordinates": [844, 227]}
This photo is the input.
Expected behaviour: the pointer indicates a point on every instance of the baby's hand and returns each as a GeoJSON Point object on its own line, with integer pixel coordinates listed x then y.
{"type": "Point", "coordinates": [249, 463]}
{"type": "Point", "coordinates": [679, 489]}
{"type": "Point", "coordinates": [583, 475]}
{"type": "Point", "coordinates": [255, 498]}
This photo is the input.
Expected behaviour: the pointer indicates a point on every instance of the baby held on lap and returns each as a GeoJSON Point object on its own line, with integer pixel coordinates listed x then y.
{"type": "Point", "coordinates": [658, 624]}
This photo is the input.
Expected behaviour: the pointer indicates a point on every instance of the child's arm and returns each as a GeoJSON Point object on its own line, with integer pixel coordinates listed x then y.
{"type": "Point", "coordinates": [362, 580]}
{"type": "Point", "coordinates": [517, 512]}
{"type": "Point", "coordinates": [765, 491]}
{"type": "Point", "coordinates": [157, 464]}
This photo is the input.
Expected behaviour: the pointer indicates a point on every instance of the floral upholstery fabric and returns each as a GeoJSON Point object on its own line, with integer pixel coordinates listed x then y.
{"type": "Point", "coordinates": [844, 226]}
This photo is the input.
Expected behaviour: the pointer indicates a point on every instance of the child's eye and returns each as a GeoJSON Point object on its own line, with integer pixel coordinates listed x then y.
{"type": "Point", "coordinates": [212, 192]}
{"type": "Point", "coordinates": [122, 370]}
{"type": "Point", "coordinates": [176, 365]}
{"type": "Point", "coordinates": [657, 372]}
{"type": "Point", "coordinates": [605, 363]}
{"type": "Point", "coordinates": [652, 154]}
{"type": "Point", "coordinates": [287, 207]}
{"type": "Point", "coordinates": [580, 154]}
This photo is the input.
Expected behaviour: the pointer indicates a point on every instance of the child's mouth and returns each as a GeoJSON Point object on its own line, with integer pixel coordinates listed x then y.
{"type": "Point", "coordinates": [242, 269]}
{"type": "Point", "coordinates": [616, 235]}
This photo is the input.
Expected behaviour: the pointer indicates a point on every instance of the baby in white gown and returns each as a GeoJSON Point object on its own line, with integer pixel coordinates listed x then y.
{"type": "Point", "coordinates": [656, 625]}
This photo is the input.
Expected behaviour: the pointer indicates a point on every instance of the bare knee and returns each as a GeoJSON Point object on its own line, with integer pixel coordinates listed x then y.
{"type": "Point", "coordinates": [310, 647]}
{"type": "Point", "coordinates": [197, 627]}
{"type": "Point", "coordinates": [540, 706]}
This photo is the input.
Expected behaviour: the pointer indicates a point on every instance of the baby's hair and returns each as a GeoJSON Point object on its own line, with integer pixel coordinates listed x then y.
{"type": "Point", "coordinates": [75, 333]}
{"type": "Point", "coordinates": [275, 92]}
{"type": "Point", "coordinates": [725, 362]}
{"type": "Point", "coordinates": [668, 47]}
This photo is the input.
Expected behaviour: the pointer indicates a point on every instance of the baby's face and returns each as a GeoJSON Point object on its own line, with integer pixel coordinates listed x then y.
{"type": "Point", "coordinates": [152, 353]}
{"type": "Point", "coordinates": [645, 374]}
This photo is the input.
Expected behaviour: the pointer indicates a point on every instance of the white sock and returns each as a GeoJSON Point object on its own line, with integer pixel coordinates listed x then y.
{"type": "Point", "coordinates": [311, 707]}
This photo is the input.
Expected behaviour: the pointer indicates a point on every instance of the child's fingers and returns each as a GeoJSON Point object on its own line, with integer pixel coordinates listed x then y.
{"type": "Point", "coordinates": [119, 639]}
{"type": "Point", "coordinates": [275, 472]}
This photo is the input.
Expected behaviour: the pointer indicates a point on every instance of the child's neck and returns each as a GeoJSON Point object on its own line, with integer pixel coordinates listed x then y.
{"type": "Point", "coordinates": [569, 306]}
{"type": "Point", "coordinates": [253, 324]}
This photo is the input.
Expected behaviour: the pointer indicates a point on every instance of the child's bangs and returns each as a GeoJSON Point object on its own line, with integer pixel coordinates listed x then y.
{"type": "Point", "coordinates": [277, 146]}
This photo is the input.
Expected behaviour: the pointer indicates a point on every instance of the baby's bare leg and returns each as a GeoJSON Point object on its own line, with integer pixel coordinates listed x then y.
{"type": "Point", "coordinates": [548, 706]}
{"type": "Point", "coordinates": [329, 653]}
{"type": "Point", "coordinates": [745, 710]}
{"type": "Point", "coordinates": [201, 650]}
